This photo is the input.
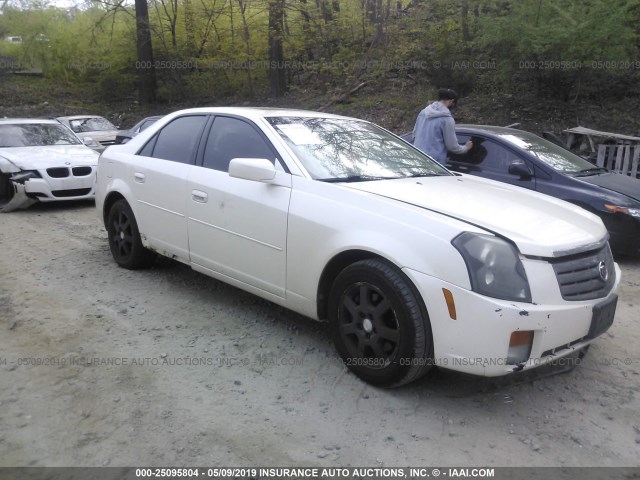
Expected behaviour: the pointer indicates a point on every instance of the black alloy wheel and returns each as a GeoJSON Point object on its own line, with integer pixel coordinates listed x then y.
{"type": "Point", "coordinates": [368, 324]}
{"type": "Point", "coordinates": [124, 238]}
{"type": "Point", "coordinates": [379, 324]}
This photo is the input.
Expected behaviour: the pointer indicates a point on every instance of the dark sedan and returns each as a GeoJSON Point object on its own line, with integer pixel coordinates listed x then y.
{"type": "Point", "coordinates": [524, 159]}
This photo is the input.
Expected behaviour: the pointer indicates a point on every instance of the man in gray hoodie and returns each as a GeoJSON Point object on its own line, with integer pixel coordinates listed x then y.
{"type": "Point", "coordinates": [435, 132]}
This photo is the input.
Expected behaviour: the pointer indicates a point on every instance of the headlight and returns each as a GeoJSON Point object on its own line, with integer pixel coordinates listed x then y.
{"type": "Point", "coordinates": [494, 267]}
{"type": "Point", "coordinates": [634, 212]}
{"type": "Point", "coordinates": [24, 175]}
{"type": "Point", "coordinates": [90, 142]}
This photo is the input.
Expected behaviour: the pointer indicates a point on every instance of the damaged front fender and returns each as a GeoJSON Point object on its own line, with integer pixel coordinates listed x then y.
{"type": "Point", "coordinates": [19, 201]}
{"type": "Point", "coordinates": [13, 191]}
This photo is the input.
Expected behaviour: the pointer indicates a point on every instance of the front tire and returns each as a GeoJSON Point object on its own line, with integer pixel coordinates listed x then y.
{"type": "Point", "coordinates": [6, 190]}
{"type": "Point", "coordinates": [379, 324]}
{"type": "Point", "coordinates": [124, 238]}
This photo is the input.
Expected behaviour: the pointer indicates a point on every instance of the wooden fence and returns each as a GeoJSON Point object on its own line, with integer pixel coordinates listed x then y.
{"type": "Point", "coordinates": [620, 158]}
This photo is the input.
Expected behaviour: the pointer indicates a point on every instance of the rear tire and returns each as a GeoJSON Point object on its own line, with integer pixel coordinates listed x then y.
{"type": "Point", "coordinates": [379, 324]}
{"type": "Point", "coordinates": [124, 238]}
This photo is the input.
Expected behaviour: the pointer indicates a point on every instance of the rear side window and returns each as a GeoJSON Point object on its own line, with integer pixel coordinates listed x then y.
{"type": "Point", "coordinates": [231, 138]}
{"type": "Point", "coordinates": [177, 141]}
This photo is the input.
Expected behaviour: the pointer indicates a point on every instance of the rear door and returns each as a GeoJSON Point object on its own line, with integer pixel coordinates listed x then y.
{"type": "Point", "coordinates": [158, 179]}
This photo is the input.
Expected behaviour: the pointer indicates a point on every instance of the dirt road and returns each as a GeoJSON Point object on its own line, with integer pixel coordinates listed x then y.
{"type": "Point", "coordinates": [166, 367]}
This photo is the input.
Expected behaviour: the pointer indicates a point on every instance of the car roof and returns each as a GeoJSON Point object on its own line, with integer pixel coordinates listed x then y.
{"type": "Point", "coordinates": [26, 121]}
{"type": "Point", "coordinates": [495, 130]}
{"type": "Point", "coordinates": [78, 117]}
{"type": "Point", "coordinates": [155, 118]}
{"type": "Point", "coordinates": [260, 112]}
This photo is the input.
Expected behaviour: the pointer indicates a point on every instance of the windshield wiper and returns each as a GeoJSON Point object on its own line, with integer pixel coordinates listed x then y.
{"type": "Point", "coordinates": [355, 178]}
{"type": "Point", "coordinates": [589, 171]}
{"type": "Point", "coordinates": [417, 175]}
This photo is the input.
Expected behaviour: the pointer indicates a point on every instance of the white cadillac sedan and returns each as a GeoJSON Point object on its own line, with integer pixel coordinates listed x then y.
{"type": "Point", "coordinates": [339, 220]}
{"type": "Point", "coordinates": [42, 160]}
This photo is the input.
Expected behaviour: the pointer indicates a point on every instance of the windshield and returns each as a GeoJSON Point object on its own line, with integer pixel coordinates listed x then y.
{"type": "Point", "coordinates": [351, 150]}
{"type": "Point", "coordinates": [36, 135]}
{"type": "Point", "coordinates": [557, 157]}
{"type": "Point", "coordinates": [92, 124]}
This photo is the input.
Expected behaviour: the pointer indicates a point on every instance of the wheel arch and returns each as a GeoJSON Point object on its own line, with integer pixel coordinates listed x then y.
{"type": "Point", "coordinates": [338, 263]}
{"type": "Point", "coordinates": [413, 337]}
{"type": "Point", "coordinates": [110, 199]}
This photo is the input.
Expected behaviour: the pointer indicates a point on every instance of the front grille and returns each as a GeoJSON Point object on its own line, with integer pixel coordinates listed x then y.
{"type": "Point", "coordinates": [58, 172]}
{"type": "Point", "coordinates": [586, 276]}
{"type": "Point", "coordinates": [81, 171]}
{"type": "Point", "coordinates": [75, 192]}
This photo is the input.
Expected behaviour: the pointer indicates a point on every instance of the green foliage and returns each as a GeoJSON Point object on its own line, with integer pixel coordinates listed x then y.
{"type": "Point", "coordinates": [563, 42]}
{"type": "Point", "coordinates": [205, 50]}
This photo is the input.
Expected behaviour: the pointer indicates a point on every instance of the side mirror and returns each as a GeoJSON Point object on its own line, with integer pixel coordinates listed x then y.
{"type": "Point", "coordinates": [521, 169]}
{"type": "Point", "coordinates": [256, 169]}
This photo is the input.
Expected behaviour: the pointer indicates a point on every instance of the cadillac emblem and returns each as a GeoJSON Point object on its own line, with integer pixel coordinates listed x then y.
{"type": "Point", "coordinates": [602, 270]}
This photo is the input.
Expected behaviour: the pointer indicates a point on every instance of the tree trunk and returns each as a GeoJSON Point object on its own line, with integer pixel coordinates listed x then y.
{"type": "Point", "coordinates": [464, 12]}
{"type": "Point", "coordinates": [277, 73]}
{"type": "Point", "coordinates": [325, 11]}
{"type": "Point", "coordinates": [232, 28]}
{"type": "Point", "coordinates": [190, 27]}
{"type": "Point", "coordinates": [247, 43]}
{"type": "Point", "coordinates": [146, 73]}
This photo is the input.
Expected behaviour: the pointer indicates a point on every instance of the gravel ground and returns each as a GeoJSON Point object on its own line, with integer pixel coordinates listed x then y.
{"type": "Point", "coordinates": [167, 367]}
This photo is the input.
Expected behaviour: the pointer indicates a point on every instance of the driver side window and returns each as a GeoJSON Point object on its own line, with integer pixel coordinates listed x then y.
{"type": "Point", "coordinates": [486, 155]}
{"type": "Point", "coordinates": [231, 138]}
{"type": "Point", "coordinates": [498, 157]}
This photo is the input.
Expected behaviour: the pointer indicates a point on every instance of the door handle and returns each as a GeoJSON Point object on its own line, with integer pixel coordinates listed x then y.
{"type": "Point", "coordinates": [139, 177]}
{"type": "Point", "coordinates": [198, 196]}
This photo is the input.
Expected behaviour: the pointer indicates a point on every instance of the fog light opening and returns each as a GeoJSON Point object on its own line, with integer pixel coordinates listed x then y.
{"type": "Point", "coordinates": [451, 305]}
{"type": "Point", "coordinates": [520, 347]}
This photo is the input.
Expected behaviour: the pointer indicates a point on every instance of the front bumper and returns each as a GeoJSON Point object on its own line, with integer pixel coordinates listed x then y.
{"type": "Point", "coordinates": [477, 341]}
{"type": "Point", "coordinates": [70, 187]}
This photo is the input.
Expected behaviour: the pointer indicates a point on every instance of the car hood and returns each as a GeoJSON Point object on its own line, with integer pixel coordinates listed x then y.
{"type": "Point", "coordinates": [538, 224]}
{"type": "Point", "coordinates": [616, 182]}
{"type": "Point", "coordinates": [34, 158]}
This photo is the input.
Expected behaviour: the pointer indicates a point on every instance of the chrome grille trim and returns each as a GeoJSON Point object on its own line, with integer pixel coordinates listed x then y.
{"type": "Point", "coordinates": [580, 278]}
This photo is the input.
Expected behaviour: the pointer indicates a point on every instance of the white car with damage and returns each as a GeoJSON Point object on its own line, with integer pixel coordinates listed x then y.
{"type": "Point", "coordinates": [42, 160]}
{"type": "Point", "coordinates": [339, 220]}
